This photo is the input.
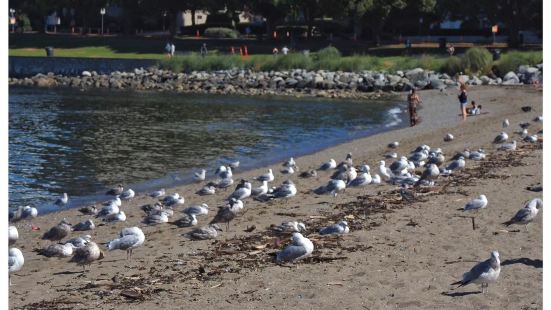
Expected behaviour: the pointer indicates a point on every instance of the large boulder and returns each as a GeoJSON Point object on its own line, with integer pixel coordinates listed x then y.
{"type": "Point", "coordinates": [510, 78]}
{"type": "Point", "coordinates": [416, 75]}
{"type": "Point", "coordinates": [86, 73]}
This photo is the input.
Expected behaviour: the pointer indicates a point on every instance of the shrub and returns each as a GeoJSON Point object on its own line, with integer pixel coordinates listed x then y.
{"type": "Point", "coordinates": [477, 60]}
{"type": "Point", "coordinates": [289, 61]}
{"type": "Point", "coordinates": [219, 32]}
{"type": "Point", "coordinates": [329, 52]}
{"type": "Point", "coordinates": [452, 65]}
{"type": "Point", "coordinates": [512, 60]}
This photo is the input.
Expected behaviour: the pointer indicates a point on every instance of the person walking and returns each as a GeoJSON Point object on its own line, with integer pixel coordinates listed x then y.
{"type": "Point", "coordinates": [168, 48]}
{"type": "Point", "coordinates": [204, 50]}
{"type": "Point", "coordinates": [463, 100]}
{"type": "Point", "coordinates": [172, 50]}
{"type": "Point", "coordinates": [413, 102]}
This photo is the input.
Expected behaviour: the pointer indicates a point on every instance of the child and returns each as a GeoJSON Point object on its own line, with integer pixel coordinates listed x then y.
{"type": "Point", "coordinates": [478, 109]}
{"type": "Point", "coordinates": [472, 110]}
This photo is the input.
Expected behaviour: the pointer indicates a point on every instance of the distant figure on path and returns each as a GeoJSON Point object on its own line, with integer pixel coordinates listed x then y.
{"type": "Point", "coordinates": [451, 49]}
{"type": "Point", "coordinates": [463, 100]}
{"type": "Point", "coordinates": [172, 49]}
{"type": "Point", "coordinates": [413, 101]}
{"type": "Point", "coordinates": [204, 51]}
{"type": "Point", "coordinates": [275, 51]}
{"type": "Point", "coordinates": [168, 49]}
{"type": "Point", "coordinates": [285, 50]}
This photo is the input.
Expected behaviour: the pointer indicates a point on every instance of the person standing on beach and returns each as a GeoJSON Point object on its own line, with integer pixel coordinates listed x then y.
{"type": "Point", "coordinates": [413, 101]}
{"type": "Point", "coordinates": [463, 100]}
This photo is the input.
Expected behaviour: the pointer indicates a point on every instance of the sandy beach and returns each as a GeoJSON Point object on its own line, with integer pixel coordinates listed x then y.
{"type": "Point", "coordinates": [397, 255]}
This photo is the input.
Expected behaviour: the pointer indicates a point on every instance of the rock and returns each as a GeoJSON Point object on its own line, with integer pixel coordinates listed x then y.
{"type": "Point", "coordinates": [437, 84]}
{"type": "Point", "coordinates": [318, 79]}
{"type": "Point", "coordinates": [474, 81]}
{"type": "Point", "coordinates": [290, 82]}
{"type": "Point", "coordinates": [417, 74]}
{"type": "Point", "coordinates": [45, 82]}
{"type": "Point", "coordinates": [485, 80]}
{"type": "Point", "coordinates": [86, 73]}
{"type": "Point", "coordinates": [511, 78]}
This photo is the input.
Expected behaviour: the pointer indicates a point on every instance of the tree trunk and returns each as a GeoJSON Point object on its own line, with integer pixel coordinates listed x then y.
{"type": "Point", "coordinates": [308, 17]}
{"type": "Point", "coordinates": [193, 17]}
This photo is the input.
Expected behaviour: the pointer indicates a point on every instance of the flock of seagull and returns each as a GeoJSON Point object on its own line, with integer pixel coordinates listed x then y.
{"type": "Point", "coordinates": [83, 251]}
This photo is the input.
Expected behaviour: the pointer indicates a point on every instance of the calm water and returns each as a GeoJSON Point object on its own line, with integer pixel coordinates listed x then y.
{"type": "Point", "coordinates": [85, 142]}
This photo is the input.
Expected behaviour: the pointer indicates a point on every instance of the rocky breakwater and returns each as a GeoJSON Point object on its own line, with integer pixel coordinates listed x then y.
{"type": "Point", "coordinates": [296, 82]}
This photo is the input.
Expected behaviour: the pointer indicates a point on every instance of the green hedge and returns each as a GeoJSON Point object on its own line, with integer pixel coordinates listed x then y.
{"type": "Point", "coordinates": [221, 32]}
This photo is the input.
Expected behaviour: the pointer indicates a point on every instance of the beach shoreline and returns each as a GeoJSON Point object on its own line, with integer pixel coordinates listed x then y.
{"type": "Point", "coordinates": [392, 257]}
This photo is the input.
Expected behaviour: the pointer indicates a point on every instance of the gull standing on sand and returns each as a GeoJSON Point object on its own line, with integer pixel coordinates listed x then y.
{"type": "Point", "coordinates": [531, 139]}
{"type": "Point", "coordinates": [331, 164]}
{"type": "Point", "coordinates": [205, 232]}
{"type": "Point", "coordinates": [347, 161]}
{"type": "Point", "coordinates": [174, 200]}
{"type": "Point", "coordinates": [117, 201]}
{"type": "Point", "coordinates": [87, 255]}
{"type": "Point", "coordinates": [436, 158]}
{"type": "Point", "coordinates": [290, 163]}
{"type": "Point", "coordinates": [384, 171]}
{"type": "Point", "coordinates": [84, 225]}
{"type": "Point", "coordinates": [333, 187]}
{"type": "Point", "coordinates": [220, 170]}
{"type": "Point", "coordinates": [289, 227]}
{"type": "Point", "coordinates": [58, 232]}
{"type": "Point", "coordinates": [57, 250]}
{"type": "Point", "coordinates": [242, 192]}
{"type": "Point", "coordinates": [483, 273]}
{"type": "Point", "coordinates": [115, 191]}
{"type": "Point", "coordinates": [128, 194]}
{"type": "Point", "coordinates": [207, 190]}
{"type": "Point", "coordinates": [61, 202]}
{"type": "Point", "coordinates": [200, 176]}
{"type": "Point", "coordinates": [476, 204]}
{"type": "Point", "coordinates": [399, 167]}
{"type": "Point", "coordinates": [227, 213]}
{"type": "Point", "coordinates": [15, 261]}
{"type": "Point", "coordinates": [158, 193]}
{"type": "Point", "coordinates": [527, 214]}
{"type": "Point", "coordinates": [505, 123]}
{"type": "Point", "coordinates": [508, 146]}
{"type": "Point", "coordinates": [301, 247]}
{"type": "Point", "coordinates": [336, 229]}
{"type": "Point", "coordinates": [502, 137]}
{"type": "Point", "coordinates": [129, 239]}
{"type": "Point", "coordinates": [13, 235]}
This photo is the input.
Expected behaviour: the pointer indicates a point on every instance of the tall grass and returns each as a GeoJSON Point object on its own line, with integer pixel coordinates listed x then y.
{"type": "Point", "coordinates": [512, 60]}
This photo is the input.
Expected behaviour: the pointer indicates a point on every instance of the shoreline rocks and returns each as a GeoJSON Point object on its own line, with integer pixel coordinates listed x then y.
{"type": "Point", "coordinates": [298, 82]}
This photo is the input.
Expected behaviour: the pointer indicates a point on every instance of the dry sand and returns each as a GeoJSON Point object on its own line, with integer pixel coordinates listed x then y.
{"type": "Point", "coordinates": [397, 255]}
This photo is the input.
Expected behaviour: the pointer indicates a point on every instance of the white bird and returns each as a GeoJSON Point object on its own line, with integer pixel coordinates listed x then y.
{"type": "Point", "coordinates": [261, 190]}
{"type": "Point", "coordinates": [456, 164]}
{"type": "Point", "coordinates": [288, 170]}
{"type": "Point", "coordinates": [269, 176]}
{"type": "Point", "coordinates": [174, 200]}
{"type": "Point", "coordinates": [384, 171]}
{"type": "Point", "coordinates": [116, 217]}
{"type": "Point", "coordinates": [205, 232]}
{"type": "Point", "coordinates": [57, 250]}
{"type": "Point", "coordinates": [301, 247]}
{"type": "Point", "coordinates": [289, 227]}
{"type": "Point", "coordinates": [202, 209]}
{"type": "Point", "coordinates": [207, 190]}
{"type": "Point", "coordinates": [158, 193]}
{"type": "Point", "coordinates": [286, 190]}
{"type": "Point", "coordinates": [61, 202]}
{"type": "Point", "coordinates": [29, 212]}
{"type": "Point", "coordinates": [448, 137]}
{"type": "Point", "coordinates": [531, 139]}
{"type": "Point", "coordinates": [502, 137]}
{"type": "Point", "coordinates": [115, 191]}
{"type": "Point", "coordinates": [436, 158]}
{"type": "Point", "coordinates": [200, 176]}
{"type": "Point", "coordinates": [508, 146]}
{"type": "Point", "coordinates": [128, 194]}
{"type": "Point", "coordinates": [333, 187]}
{"type": "Point", "coordinates": [186, 220]}
{"type": "Point", "coordinates": [430, 174]}
{"type": "Point", "coordinates": [108, 210]}
{"type": "Point", "coordinates": [156, 218]}
{"type": "Point", "coordinates": [227, 174]}
{"type": "Point", "coordinates": [85, 225]}
{"type": "Point", "coordinates": [79, 242]}
{"type": "Point", "coordinates": [505, 123]}
{"type": "Point", "coordinates": [117, 202]}
{"type": "Point", "coordinates": [234, 164]}
{"type": "Point", "coordinates": [129, 239]}
{"type": "Point", "coordinates": [538, 119]}
{"type": "Point", "coordinates": [391, 155]}
{"type": "Point", "coordinates": [13, 235]}
{"type": "Point", "coordinates": [476, 204]}
{"type": "Point", "coordinates": [527, 214]}
{"type": "Point", "coordinates": [331, 164]}
{"type": "Point", "coordinates": [290, 163]}
{"type": "Point", "coordinates": [242, 192]}
{"type": "Point", "coordinates": [87, 254]}
{"type": "Point", "coordinates": [394, 144]}
{"type": "Point", "coordinates": [365, 168]}
{"type": "Point", "coordinates": [220, 170]}
{"type": "Point", "coordinates": [398, 167]}
{"type": "Point", "coordinates": [15, 261]}
{"type": "Point", "coordinates": [483, 273]}
{"type": "Point", "coordinates": [376, 179]}
{"type": "Point", "coordinates": [477, 155]}
{"type": "Point", "coordinates": [419, 156]}
{"type": "Point", "coordinates": [336, 229]}
{"type": "Point", "coordinates": [362, 180]}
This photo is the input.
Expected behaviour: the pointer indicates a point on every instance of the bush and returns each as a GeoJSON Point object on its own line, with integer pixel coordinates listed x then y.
{"type": "Point", "coordinates": [452, 65]}
{"type": "Point", "coordinates": [477, 60]}
{"type": "Point", "coordinates": [24, 22]}
{"type": "Point", "coordinates": [221, 33]}
{"type": "Point", "coordinates": [512, 60]}
{"type": "Point", "coordinates": [290, 61]}
{"type": "Point", "coordinates": [329, 52]}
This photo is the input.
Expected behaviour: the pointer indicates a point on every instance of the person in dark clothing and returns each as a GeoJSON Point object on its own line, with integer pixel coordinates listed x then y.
{"type": "Point", "coordinates": [413, 102]}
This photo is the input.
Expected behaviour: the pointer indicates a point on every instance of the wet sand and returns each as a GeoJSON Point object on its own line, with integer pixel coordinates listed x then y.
{"type": "Point", "coordinates": [397, 255]}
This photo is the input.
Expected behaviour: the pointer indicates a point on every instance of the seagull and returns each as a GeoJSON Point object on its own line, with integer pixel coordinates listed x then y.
{"type": "Point", "coordinates": [269, 176]}
{"type": "Point", "coordinates": [158, 193]}
{"type": "Point", "coordinates": [524, 125]}
{"type": "Point", "coordinates": [394, 144]}
{"type": "Point", "coordinates": [527, 214]}
{"type": "Point", "coordinates": [309, 174]}
{"type": "Point", "coordinates": [223, 183]}
{"type": "Point", "coordinates": [289, 227]}
{"type": "Point", "coordinates": [290, 163]}
{"type": "Point", "coordinates": [286, 190]}
{"type": "Point", "coordinates": [362, 180]}
{"type": "Point", "coordinates": [234, 164]}
{"type": "Point", "coordinates": [531, 139]}
{"type": "Point", "coordinates": [156, 218]}
{"type": "Point", "coordinates": [29, 212]}
{"type": "Point", "coordinates": [227, 174]}
{"type": "Point", "coordinates": [116, 217]}
{"type": "Point", "coordinates": [288, 170]}
{"type": "Point", "coordinates": [242, 192]}
{"type": "Point", "coordinates": [220, 170]}
{"type": "Point", "coordinates": [15, 261]}
{"type": "Point", "coordinates": [89, 210]}
{"type": "Point", "coordinates": [115, 191]}
{"type": "Point", "coordinates": [448, 137]}
{"type": "Point", "coordinates": [384, 171]}
{"type": "Point", "coordinates": [508, 146]}
{"type": "Point", "coordinates": [15, 215]}
{"type": "Point", "coordinates": [538, 119]}
{"type": "Point", "coordinates": [483, 273]}
{"type": "Point", "coordinates": [399, 166]}
{"type": "Point", "coordinates": [174, 200]}
{"type": "Point", "coordinates": [347, 161]}
{"type": "Point", "coordinates": [430, 174]}
{"type": "Point", "coordinates": [376, 179]}
{"type": "Point", "coordinates": [200, 176]}
{"type": "Point", "coordinates": [505, 123]}
{"type": "Point", "coordinates": [129, 239]}
{"type": "Point", "coordinates": [61, 202]}
{"type": "Point", "coordinates": [79, 242]}
{"type": "Point", "coordinates": [476, 204]}
{"type": "Point", "coordinates": [336, 229]}
{"type": "Point", "coordinates": [456, 164]}
{"type": "Point", "coordinates": [205, 232]}
{"type": "Point", "coordinates": [477, 155]}
{"type": "Point", "coordinates": [87, 255]}
{"type": "Point", "coordinates": [333, 187]}
{"type": "Point", "coordinates": [422, 147]}
{"type": "Point", "coordinates": [58, 232]}
{"type": "Point", "coordinates": [108, 210]}
{"type": "Point", "coordinates": [207, 190]}
{"type": "Point", "coordinates": [226, 214]}
{"type": "Point", "coordinates": [419, 156]}
{"type": "Point", "coordinates": [300, 248]}
{"type": "Point", "coordinates": [117, 201]}
{"type": "Point", "coordinates": [127, 195]}
{"type": "Point", "coordinates": [502, 137]}
{"type": "Point", "coordinates": [85, 225]}
{"type": "Point", "coordinates": [13, 235]}
{"type": "Point", "coordinates": [365, 168]}
{"type": "Point", "coordinates": [202, 209]}
{"type": "Point", "coordinates": [465, 153]}
{"type": "Point", "coordinates": [436, 158]}
{"type": "Point", "coordinates": [523, 133]}
{"type": "Point", "coordinates": [331, 164]}
{"type": "Point", "coordinates": [259, 191]}
{"type": "Point", "coordinates": [186, 220]}
{"type": "Point", "coordinates": [57, 250]}
{"type": "Point", "coordinates": [391, 155]}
